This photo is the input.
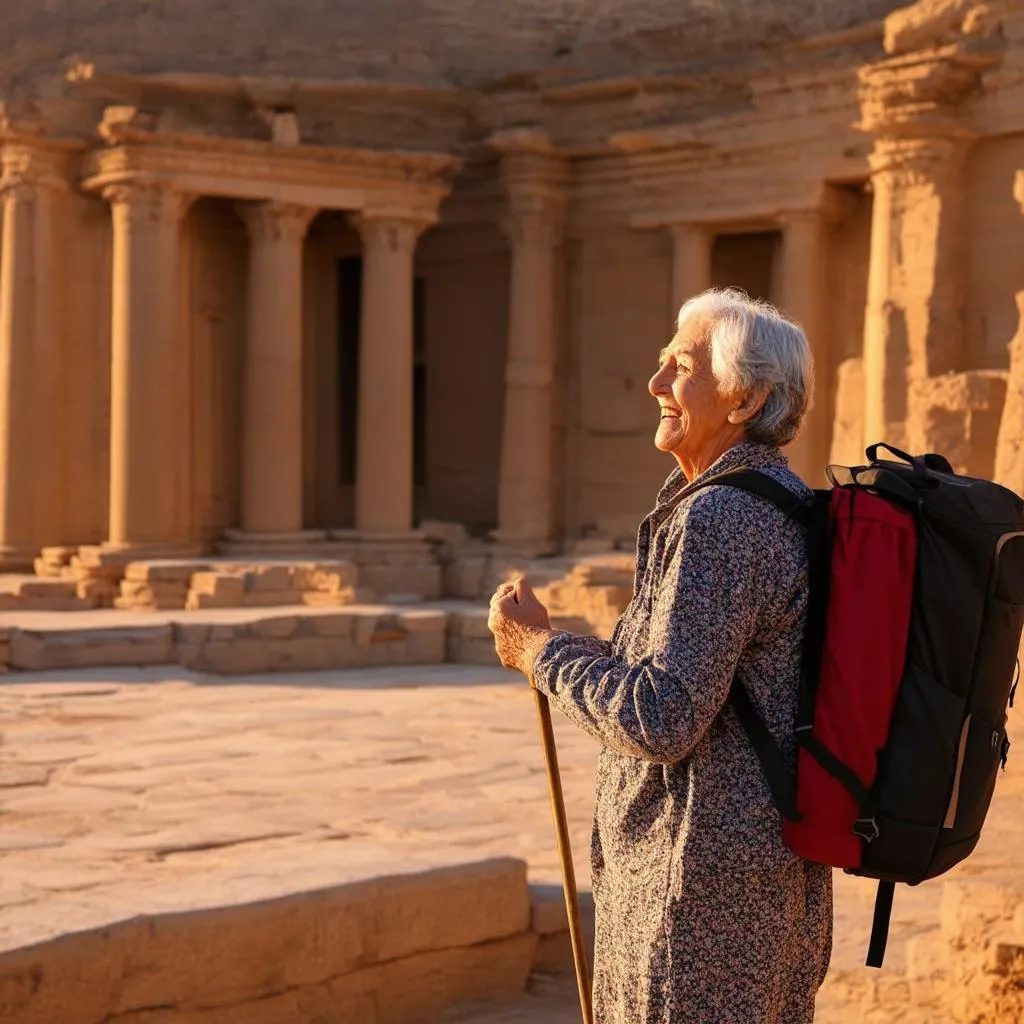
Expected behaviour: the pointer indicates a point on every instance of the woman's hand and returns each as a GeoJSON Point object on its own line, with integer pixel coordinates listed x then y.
{"type": "Point", "coordinates": [520, 624]}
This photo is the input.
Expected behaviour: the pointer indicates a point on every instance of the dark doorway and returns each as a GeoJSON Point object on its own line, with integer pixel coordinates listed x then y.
{"type": "Point", "coordinates": [746, 261]}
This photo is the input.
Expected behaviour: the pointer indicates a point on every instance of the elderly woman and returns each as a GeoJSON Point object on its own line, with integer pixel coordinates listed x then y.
{"type": "Point", "coordinates": [704, 916]}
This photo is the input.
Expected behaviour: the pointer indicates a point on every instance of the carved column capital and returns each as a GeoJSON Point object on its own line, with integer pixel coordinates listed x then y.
{"type": "Point", "coordinates": [273, 221]}
{"type": "Point", "coordinates": [146, 204]}
{"type": "Point", "coordinates": [919, 160]}
{"type": "Point", "coordinates": [395, 231]}
{"type": "Point", "coordinates": [535, 178]}
{"type": "Point", "coordinates": [25, 167]}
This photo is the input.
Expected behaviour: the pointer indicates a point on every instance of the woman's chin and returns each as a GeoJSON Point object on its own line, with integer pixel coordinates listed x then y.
{"type": "Point", "coordinates": [668, 436]}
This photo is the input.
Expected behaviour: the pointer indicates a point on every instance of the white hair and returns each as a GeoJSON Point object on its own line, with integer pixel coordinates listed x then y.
{"type": "Point", "coordinates": [754, 346]}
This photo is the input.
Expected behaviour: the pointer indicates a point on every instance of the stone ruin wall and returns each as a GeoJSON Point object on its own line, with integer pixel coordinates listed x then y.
{"type": "Point", "coordinates": [748, 156]}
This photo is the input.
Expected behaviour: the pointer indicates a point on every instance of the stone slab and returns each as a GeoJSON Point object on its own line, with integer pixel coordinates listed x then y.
{"type": "Point", "coordinates": [228, 948]}
{"type": "Point", "coordinates": [232, 640]}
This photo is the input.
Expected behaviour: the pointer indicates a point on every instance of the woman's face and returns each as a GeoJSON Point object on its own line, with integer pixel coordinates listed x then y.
{"type": "Point", "coordinates": [695, 425]}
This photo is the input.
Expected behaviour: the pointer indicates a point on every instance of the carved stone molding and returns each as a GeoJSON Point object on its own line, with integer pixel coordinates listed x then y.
{"type": "Point", "coordinates": [921, 93]}
{"type": "Point", "coordinates": [272, 221]}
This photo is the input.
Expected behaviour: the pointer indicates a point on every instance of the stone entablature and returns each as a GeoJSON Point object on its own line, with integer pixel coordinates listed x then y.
{"type": "Point", "coordinates": [403, 184]}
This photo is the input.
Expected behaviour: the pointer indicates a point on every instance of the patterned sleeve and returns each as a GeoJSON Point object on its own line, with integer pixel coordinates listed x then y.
{"type": "Point", "coordinates": [712, 592]}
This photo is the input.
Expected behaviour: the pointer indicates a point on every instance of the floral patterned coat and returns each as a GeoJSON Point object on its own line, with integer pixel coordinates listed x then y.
{"type": "Point", "coordinates": [704, 916]}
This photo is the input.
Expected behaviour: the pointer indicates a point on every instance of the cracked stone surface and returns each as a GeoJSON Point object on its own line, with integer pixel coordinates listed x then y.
{"type": "Point", "coordinates": [131, 791]}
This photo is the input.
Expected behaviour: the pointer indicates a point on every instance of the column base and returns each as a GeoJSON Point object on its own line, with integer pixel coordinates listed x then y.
{"type": "Point", "coordinates": [267, 545]}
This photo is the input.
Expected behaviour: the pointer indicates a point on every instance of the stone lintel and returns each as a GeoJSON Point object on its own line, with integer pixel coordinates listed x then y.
{"type": "Point", "coordinates": [316, 177]}
{"type": "Point", "coordinates": [277, 90]}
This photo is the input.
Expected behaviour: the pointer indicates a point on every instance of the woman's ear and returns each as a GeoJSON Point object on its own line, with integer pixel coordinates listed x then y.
{"type": "Point", "coordinates": [750, 406]}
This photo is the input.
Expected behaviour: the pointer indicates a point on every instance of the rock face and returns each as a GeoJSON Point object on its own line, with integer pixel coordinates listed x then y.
{"type": "Point", "coordinates": [1009, 467]}
{"type": "Point", "coordinates": [441, 41]}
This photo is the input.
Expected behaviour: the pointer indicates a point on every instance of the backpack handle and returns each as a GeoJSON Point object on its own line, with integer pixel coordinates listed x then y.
{"type": "Point", "coordinates": [872, 453]}
{"type": "Point", "coordinates": [921, 464]}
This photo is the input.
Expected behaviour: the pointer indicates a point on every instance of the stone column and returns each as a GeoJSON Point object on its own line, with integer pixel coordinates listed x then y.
{"type": "Point", "coordinates": [534, 183]}
{"type": "Point", "coordinates": [803, 300]}
{"type": "Point", "coordinates": [272, 416]}
{"type": "Point", "coordinates": [146, 409]}
{"type": "Point", "coordinates": [914, 323]}
{"type": "Point", "coordinates": [691, 262]}
{"type": "Point", "coordinates": [384, 467]}
{"type": "Point", "coordinates": [30, 438]}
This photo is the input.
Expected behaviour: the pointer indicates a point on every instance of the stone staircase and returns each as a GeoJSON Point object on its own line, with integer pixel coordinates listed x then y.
{"type": "Point", "coordinates": [87, 607]}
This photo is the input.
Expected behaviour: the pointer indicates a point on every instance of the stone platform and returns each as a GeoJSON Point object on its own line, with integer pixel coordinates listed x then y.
{"type": "Point", "coordinates": [229, 641]}
{"type": "Point", "coordinates": [222, 813]}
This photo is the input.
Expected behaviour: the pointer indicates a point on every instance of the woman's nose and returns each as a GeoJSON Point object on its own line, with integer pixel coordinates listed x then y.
{"type": "Point", "coordinates": [656, 385]}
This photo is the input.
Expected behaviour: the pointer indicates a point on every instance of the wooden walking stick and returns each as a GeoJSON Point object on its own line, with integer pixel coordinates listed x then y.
{"type": "Point", "coordinates": [572, 906]}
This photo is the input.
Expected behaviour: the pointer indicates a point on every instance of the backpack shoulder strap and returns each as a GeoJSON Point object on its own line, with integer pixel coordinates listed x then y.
{"type": "Point", "coordinates": [778, 776]}
{"type": "Point", "coordinates": [755, 482]}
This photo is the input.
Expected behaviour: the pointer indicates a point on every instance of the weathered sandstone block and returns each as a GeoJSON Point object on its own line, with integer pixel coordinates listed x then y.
{"type": "Point", "coordinates": [957, 415]}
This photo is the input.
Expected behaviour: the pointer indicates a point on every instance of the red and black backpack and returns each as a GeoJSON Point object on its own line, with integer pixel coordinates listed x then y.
{"type": "Point", "coordinates": [916, 604]}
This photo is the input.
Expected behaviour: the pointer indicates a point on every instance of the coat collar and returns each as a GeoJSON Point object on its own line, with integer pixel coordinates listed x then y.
{"type": "Point", "coordinates": [746, 454]}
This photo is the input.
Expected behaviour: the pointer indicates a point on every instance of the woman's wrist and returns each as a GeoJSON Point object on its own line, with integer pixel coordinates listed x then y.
{"type": "Point", "coordinates": [534, 641]}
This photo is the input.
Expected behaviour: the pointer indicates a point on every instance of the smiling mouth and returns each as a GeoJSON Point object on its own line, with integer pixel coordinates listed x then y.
{"type": "Point", "coordinates": [669, 413]}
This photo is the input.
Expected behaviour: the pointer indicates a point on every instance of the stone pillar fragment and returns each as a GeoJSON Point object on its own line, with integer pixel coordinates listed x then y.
{"type": "Point", "coordinates": [30, 438]}
{"type": "Point", "coordinates": [384, 448]}
{"type": "Point", "coordinates": [146, 349]}
{"type": "Point", "coordinates": [915, 104]}
{"type": "Point", "coordinates": [272, 418]}
{"type": "Point", "coordinates": [1009, 464]}
{"type": "Point", "coordinates": [691, 262]}
{"type": "Point", "coordinates": [534, 179]}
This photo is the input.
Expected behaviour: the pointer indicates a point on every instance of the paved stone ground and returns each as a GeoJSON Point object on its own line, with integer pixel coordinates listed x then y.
{"type": "Point", "coordinates": [128, 791]}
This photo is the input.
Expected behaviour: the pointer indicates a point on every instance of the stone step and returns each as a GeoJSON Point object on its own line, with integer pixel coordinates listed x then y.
{"type": "Point", "coordinates": [228, 642]}
{"type": "Point", "coordinates": [393, 940]}
{"type": "Point", "coordinates": [22, 592]}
